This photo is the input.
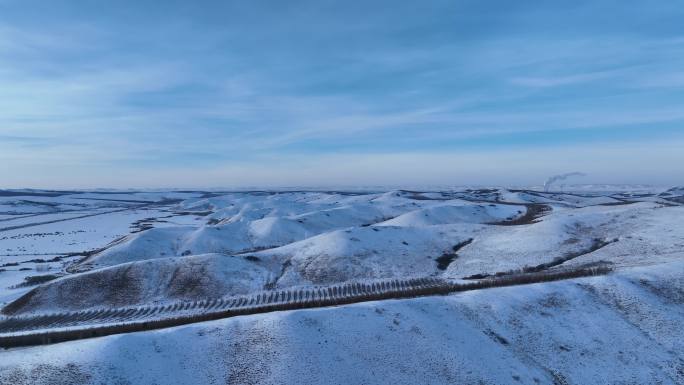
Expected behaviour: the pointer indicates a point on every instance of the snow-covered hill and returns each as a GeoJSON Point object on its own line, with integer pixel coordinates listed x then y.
{"type": "Point", "coordinates": [619, 329]}
{"type": "Point", "coordinates": [146, 282]}
{"type": "Point", "coordinates": [260, 241]}
{"type": "Point", "coordinates": [78, 251]}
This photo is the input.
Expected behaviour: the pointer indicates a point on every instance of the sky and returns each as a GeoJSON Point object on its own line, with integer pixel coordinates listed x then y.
{"type": "Point", "coordinates": [148, 94]}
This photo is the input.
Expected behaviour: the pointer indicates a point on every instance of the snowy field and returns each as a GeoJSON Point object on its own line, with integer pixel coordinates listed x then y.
{"type": "Point", "coordinates": [80, 251]}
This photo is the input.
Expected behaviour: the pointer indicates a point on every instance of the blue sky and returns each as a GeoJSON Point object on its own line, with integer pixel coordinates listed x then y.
{"type": "Point", "coordinates": [316, 93]}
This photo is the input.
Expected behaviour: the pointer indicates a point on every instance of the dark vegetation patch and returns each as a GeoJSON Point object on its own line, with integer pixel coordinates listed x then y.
{"type": "Point", "coordinates": [534, 212]}
{"type": "Point", "coordinates": [478, 276]}
{"type": "Point", "coordinates": [553, 301]}
{"type": "Point", "coordinates": [197, 213]}
{"type": "Point", "coordinates": [121, 286]}
{"type": "Point", "coordinates": [679, 199]}
{"type": "Point", "coordinates": [559, 379]}
{"type": "Point", "coordinates": [597, 243]}
{"type": "Point", "coordinates": [445, 259]}
{"type": "Point", "coordinates": [41, 260]}
{"type": "Point", "coordinates": [599, 264]}
{"type": "Point", "coordinates": [19, 303]}
{"type": "Point", "coordinates": [35, 203]}
{"type": "Point", "coordinates": [193, 282]}
{"type": "Point", "coordinates": [111, 288]}
{"type": "Point", "coordinates": [33, 280]}
{"type": "Point", "coordinates": [141, 228]}
{"type": "Point", "coordinates": [119, 200]}
{"type": "Point", "coordinates": [672, 292]}
{"type": "Point", "coordinates": [496, 337]}
{"type": "Point", "coordinates": [10, 264]}
{"type": "Point", "coordinates": [138, 284]}
{"type": "Point", "coordinates": [256, 249]}
{"type": "Point", "coordinates": [146, 224]}
{"type": "Point", "coordinates": [272, 284]}
{"type": "Point", "coordinates": [618, 203]}
{"type": "Point", "coordinates": [39, 235]}
{"type": "Point", "coordinates": [418, 196]}
{"type": "Point", "coordinates": [383, 219]}
{"type": "Point", "coordinates": [482, 191]}
{"type": "Point", "coordinates": [43, 373]}
{"type": "Point", "coordinates": [46, 193]}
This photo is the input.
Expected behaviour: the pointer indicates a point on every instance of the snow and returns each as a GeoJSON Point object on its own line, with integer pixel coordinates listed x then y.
{"type": "Point", "coordinates": [93, 225]}
{"type": "Point", "coordinates": [576, 331]}
{"type": "Point", "coordinates": [322, 238]}
{"type": "Point", "coordinates": [366, 252]}
{"type": "Point", "coordinates": [246, 225]}
{"type": "Point", "coordinates": [456, 213]}
{"type": "Point", "coordinates": [149, 282]}
{"type": "Point", "coordinates": [622, 328]}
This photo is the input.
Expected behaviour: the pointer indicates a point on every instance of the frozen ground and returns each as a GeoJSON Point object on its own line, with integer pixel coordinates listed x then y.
{"type": "Point", "coordinates": [624, 328]}
{"type": "Point", "coordinates": [42, 231]}
{"type": "Point", "coordinates": [108, 249]}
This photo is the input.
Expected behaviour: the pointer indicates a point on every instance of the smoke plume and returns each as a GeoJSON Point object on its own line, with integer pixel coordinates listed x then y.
{"type": "Point", "coordinates": [557, 178]}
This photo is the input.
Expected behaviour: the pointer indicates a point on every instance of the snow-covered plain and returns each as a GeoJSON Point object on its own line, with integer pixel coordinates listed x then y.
{"type": "Point", "coordinates": [136, 248]}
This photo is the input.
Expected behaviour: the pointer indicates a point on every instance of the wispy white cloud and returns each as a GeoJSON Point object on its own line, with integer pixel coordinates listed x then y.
{"type": "Point", "coordinates": [659, 80]}
{"type": "Point", "coordinates": [555, 81]}
{"type": "Point", "coordinates": [190, 89]}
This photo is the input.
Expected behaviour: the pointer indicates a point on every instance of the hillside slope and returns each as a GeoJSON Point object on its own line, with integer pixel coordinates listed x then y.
{"type": "Point", "coordinates": [582, 331]}
{"type": "Point", "coordinates": [145, 282]}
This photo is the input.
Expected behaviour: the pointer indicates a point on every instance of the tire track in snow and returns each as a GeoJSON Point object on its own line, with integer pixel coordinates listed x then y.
{"type": "Point", "coordinates": [67, 219]}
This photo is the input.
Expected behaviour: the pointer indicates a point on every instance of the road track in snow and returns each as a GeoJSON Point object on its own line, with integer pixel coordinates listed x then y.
{"type": "Point", "coordinates": [22, 226]}
{"type": "Point", "coordinates": [135, 205]}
